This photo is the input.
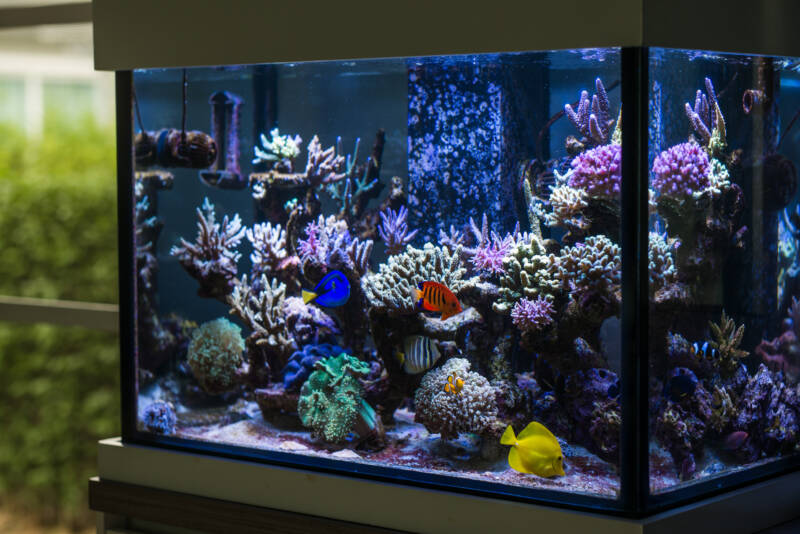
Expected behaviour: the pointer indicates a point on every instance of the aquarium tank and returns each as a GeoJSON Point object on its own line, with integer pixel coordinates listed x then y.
{"type": "Point", "coordinates": [566, 276]}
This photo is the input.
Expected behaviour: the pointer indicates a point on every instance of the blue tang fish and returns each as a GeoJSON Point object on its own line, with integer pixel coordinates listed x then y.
{"type": "Point", "coordinates": [332, 291]}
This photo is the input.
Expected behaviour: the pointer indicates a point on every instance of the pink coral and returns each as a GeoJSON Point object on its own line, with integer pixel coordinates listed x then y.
{"type": "Point", "coordinates": [681, 170]}
{"type": "Point", "coordinates": [598, 171]}
{"type": "Point", "coordinates": [532, 315]}
{"type": "Point", "coordinates": [489, 257]}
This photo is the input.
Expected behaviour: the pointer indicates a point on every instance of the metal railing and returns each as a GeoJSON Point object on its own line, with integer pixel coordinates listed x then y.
{"type": "Point", "coordinates": [91, 315]}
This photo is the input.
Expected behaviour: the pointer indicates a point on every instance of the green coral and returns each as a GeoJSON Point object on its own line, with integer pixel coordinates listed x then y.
{"type": "Point", "coordinates": [331, 400]}
{"type": "Point", "coordinates": [726, 339]}
{"type": "Point", "coordinates": [527, 275]}
{"type": "Point", "coordinates": [215, 355]}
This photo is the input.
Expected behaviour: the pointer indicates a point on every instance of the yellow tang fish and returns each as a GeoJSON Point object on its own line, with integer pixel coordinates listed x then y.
{"type": "Point", "coordinates": [535, 450]}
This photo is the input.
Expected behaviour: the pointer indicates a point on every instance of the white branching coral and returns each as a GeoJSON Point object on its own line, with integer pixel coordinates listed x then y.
{"type": "Point", "coordinates": [567, 204]}
{"type": "Point", "coordinates": [323, 166]}
{"type": "Point", "coordinates": [390, 288]}
{"type": "Point", "coordinates": [661, 265]}
{"type": "Point", "coordinates": [591, 268]}
{"type": "Point", "coordinates": [473, 409]}
{"type": "Point", "coordinates": [261, 309]}
{"type": "Point", "coordinates": [269, 247]}
{"type": "Point", "coordinates": [212, 258]}
{"type": "Point", "coordinates": [279, 148]}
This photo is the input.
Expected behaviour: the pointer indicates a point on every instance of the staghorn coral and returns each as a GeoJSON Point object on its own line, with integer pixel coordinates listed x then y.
{"type": "Point", "coordinates": [726, 340]}
{"type": "Point", "coordinates": [331, 400]}
{"type": "Point", "coordinates": [269, 247]}
{"type": "Point", "coordinates": [281, 148]}
{"type": "Point", "coordinates": [329, 245]}
{"type": "Point", "coordinates": [261, 309]}
{"type": "Point", "coordinates": [527, 275]}
{"type": "Point", "coordinates": [681, 170]}
{"type": "Point", "coordinates": [390, 289]}
{"type": "Point", "coordinates": [307, 324]}
{"type": "Point", "coordinates": [532, 315]}
{"type": "Point", "coordinates": [394, 230]}
{"type": "Point", "coordinates": [598, 171]}
{"type": "Point", "coordinates": [215, 355]}
{"type": "Point", "coordinates": [212, 258]}
{"type": "Point", "coordinates": [593, 120]}
{"type": "Point", "coordinates": [472, 410]}
{"type": "Point", "coordinates": [588, 269]}
{"type": "Point", "coordinates": [707, 120]}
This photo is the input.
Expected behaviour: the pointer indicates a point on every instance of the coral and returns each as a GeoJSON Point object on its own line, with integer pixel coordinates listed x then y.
{"type": "Point", "coordinates": [329, 245]}
{"type": "Point", "coordinates": [567, 205]}
{"type": "Point", "coordinates": [322, 165]}
{"type": "Point", "coordinates": [590, 269]}
{"type": "Point", "coordinates": [307, 324]}
{"type": "Point", "coordinates": [215, 355]}
{"type": "Point", "coordinates": [592, 121]}
{"type": "Point", "coordinates": [390, 289]}
{"type": "Point", "coordinates": [723, 410]}
{"type": "Point", "coordinates": [527, 275]}
{"type": "Point", "coordinates": [783, 352]}
{"type": "Point", "coordinates": [472, 410]}
{"type": "Point", "coordinates": [589, 401]}
{"type": "Point", "coordinates": [212, 258]}
{"type": "Point", "coordinates": [707, 120]}
{"type": "Point", "coordinates": [280, 147]}
{"type": "Point", "coordinates": [261, 309]}
{"type": "Point", "coordinates": [661, 266]}
{"type": "Point", "coordinates": [331, 400]}
{"type": "Point", "coordinates": [269, 247]}
{"type": "Point", "coordinates": [394, 230]}
{"type": "Point", "coordinates": [301, 363]}
{"type": "Point", "coordinates": [681, 170]}
{"type": "Point", "coordinates": [598, 171]}
{"type": "Point", "coordinates": [159, 417]}
{"type": "Point", "coordinates": [532, 315]}
{"type": "Point", "coordinates": [682, 434]}
{"type": "Point", "coordinates": [489, 258]}
{"type": "Point", "coordinates": [726, 340]}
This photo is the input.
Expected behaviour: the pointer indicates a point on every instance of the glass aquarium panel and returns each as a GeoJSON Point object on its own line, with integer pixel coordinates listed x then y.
{"type": "Point", "coordinates": [724, 316]}
{"type": "Point", "coordinates": [411, 264]}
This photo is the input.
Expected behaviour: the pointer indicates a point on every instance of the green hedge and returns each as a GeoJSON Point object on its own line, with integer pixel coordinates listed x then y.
{"type": "Point", "coordinates": [59, 387]}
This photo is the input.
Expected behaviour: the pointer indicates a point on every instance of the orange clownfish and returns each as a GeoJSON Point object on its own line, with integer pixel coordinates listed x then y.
{"type": "Point", "coordinates": [454, 384]}
{"type": "Point", "coordinates": [433, 296]}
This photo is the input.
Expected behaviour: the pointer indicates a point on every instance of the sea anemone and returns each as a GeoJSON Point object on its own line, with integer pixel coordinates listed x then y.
{"type": "Point", "coordinates": [681, 170]}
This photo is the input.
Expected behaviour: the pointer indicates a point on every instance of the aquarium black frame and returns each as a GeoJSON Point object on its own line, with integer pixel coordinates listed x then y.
{"type": "Point", "coordinates": [634, 499]}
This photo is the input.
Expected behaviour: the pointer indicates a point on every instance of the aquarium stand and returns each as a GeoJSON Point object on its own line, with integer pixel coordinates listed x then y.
{"type": "Point", "coordinates": [139, 486]}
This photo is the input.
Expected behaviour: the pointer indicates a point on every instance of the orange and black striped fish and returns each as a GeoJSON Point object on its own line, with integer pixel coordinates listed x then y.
{"type": "Point", "coordinates": [433, 296]}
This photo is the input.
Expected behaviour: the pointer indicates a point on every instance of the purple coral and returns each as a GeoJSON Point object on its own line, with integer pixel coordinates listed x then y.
{"type": "Point", "coordinates": [706, 115]}
{"type": "Point", "coordinates": [212, 258]}
{"type": "Point", "coordinates": [598, 171]}
{"type": "Point", "coordinates": [394, 230]}
{"type": "Point", "coordinates": [490, 256]}
{"type": "Point", "coordinates": [159, 418]}
{"type": "Point", "coordinates": [681, 170]}
{"type": "Point", "coordinates": [307, 324]}
{"type": "Point", "coordinates": [532, 315]}
{"type": "Point", "coordinates": [328, 243]}
{"type": "Point", "coordinates": [593, 121]}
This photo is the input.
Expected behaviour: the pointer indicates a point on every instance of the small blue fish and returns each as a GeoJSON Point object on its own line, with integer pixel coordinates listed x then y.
{"type": "Point", "coordinates": [330, 292]}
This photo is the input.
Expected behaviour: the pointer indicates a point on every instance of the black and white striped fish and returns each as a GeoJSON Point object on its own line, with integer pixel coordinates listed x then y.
{"type": "Point", "coordinates": [419, 354]}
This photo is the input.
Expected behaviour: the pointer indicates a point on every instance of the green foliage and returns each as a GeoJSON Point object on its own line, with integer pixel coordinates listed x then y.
{"type": "Point", "coordinates": [59, 387]}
